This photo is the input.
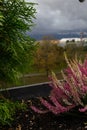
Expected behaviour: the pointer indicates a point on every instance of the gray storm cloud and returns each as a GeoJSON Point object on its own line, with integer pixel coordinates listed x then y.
{"type": "Point", "coordinates": [55, 15]}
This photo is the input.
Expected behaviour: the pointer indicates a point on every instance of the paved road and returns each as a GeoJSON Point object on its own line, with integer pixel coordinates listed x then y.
{"type": "Point", "coordinates": [34, 74]}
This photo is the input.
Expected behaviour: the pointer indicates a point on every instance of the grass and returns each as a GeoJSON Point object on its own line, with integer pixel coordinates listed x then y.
{"type": "Point", "coordinates": [31, 79]}
{"type": "Point", "coordinates": [28, 80]}
{"type": "Point", "coordinates": [36, 79]}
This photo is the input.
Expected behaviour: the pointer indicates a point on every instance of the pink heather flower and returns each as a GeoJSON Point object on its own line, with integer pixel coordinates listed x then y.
{"type": "Point", "coordinates": [67, 87]}
{"type": "Point", "coordinates": [49, 106]}
{"type": "Point", "coordinates": [83, 69]}
{"type": "Point", "coordinates": [58, 93]}
{"type": "Point", "coordinates": [38, 110]}
{"type": "Point", "coordinates": [83, 109]}
{"type": "Point", "coordinates": [69, 93]}
{"type": "Point", "coordinates": [84, 90]}
{"type": "Point", "coordinates": [85, 63]}
{"type": "Point", "coordinates": [58, 108]}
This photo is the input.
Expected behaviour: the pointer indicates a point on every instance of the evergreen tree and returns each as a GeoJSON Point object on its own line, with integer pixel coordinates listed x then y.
{"type": "Point", "coordinates": [16, 48]}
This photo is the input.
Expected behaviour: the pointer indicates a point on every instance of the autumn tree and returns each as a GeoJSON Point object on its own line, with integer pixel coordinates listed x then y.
{"type": "Point", "coordinates": [45, 57]}
{"type": "Point", "coordinates": [16, 17]}
{"type": "Point", "coordinates": [60, 60]}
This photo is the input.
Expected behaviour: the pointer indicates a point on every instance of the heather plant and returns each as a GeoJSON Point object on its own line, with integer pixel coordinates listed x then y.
{"type": "Point", "coordinates": [70, 92]}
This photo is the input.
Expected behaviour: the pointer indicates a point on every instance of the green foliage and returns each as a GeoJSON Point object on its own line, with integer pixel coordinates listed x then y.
{"type": "Point", "coordinates": [8, 110]}
{"type": "Point", "coordinates": [16, 48]}
{"type": "Point", "coordinates": [1, 16]}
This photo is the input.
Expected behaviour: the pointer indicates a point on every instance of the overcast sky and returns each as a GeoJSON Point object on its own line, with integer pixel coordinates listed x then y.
{"type": "Point", "coordinates": [55, 15]}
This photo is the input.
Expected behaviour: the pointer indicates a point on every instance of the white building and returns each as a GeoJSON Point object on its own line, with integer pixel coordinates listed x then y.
{"type": "Point", "coordinates": [65, 41]}
{"type": "Point", "coordinates": [85, 39]}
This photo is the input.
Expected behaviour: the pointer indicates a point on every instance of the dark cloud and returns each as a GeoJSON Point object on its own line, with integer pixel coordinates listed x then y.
{"type": "Point", "coordinates": [55, 15]}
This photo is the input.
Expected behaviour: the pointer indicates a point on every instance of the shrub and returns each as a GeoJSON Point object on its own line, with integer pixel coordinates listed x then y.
{"type": "Point", "coordinates": [8, 110]}
{"type": "Point", "coordinates": [70, 92]}
{"type": "Point", "coordinates": [16, 46]}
